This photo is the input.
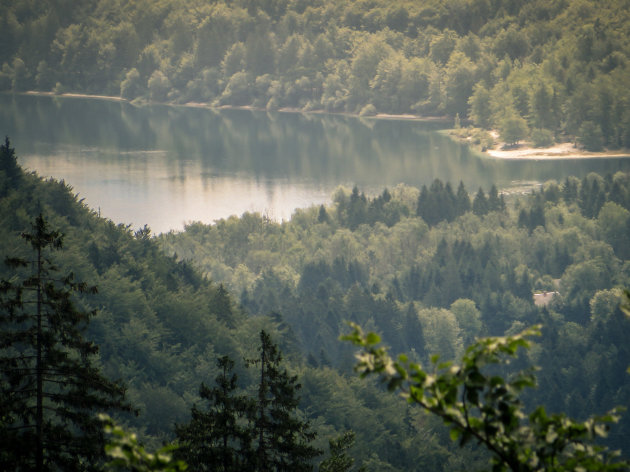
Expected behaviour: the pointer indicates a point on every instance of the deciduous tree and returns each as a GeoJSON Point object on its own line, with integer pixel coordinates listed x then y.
{"type": "Point", "coordinates": [479, 405]}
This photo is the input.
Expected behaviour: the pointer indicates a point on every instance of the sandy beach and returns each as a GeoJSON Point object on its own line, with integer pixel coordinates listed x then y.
{"type": "Point", "coordinates": [557, 151]}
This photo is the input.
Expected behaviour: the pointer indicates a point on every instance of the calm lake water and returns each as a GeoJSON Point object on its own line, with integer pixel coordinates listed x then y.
{"type": "Point", "coordinates": [165, 166]}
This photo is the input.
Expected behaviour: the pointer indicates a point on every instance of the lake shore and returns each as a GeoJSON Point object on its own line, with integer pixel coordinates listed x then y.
{"type": "Point", "coordinates": [518, 152]}
{"type": "Point", "coordinates": [557, 151]}
{"type": "Point", "coordinates": [76, 95]}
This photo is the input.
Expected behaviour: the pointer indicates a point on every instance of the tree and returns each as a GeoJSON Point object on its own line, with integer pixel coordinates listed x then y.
{"type": "Point", "coordinates": [339, 461]}
{"type": "Point", "coordinates": [485, 407]}
{"type": "Point", "coordinates": [159, 86]}
{"type": "Point", "coordinates": [8, 162]}
{"type": "Point", "coordinates": [480, 109]}
{"type": "Point", "coordinates": [126, 454]}
{"type": "Point", "coordinates": [282, 438]}
{"type": "Point", "coordinates": [49, 386]}
{"type": "Point", "coordinates": [495, 201]}
{"type": "Point", "coordinates": [590, 136]}
{"type": "Point", "coordinates": [462, 199]}
{"type": "Point", "coordinates": [512, 129]}
{"type": "Point", "coordinates": [480, 203]}
{"type": "Point", "coordinates": [219, 438]}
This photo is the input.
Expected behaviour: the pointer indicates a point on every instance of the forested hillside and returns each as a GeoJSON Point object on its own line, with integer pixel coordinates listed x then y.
{"type": "Point", "coordinates": [429, 281]}
{"type": "Point", "coordinates": [550, 69]}
{"type": "Point", "coordinates": [432, 269]}
{"type": "Point", "coordinates": [161, 326]}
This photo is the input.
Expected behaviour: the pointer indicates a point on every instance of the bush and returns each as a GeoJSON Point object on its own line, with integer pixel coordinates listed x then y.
{"type": "Point", "coordinates": [590, 136]}
{"type": "Point", "coordinates": [542, 137]}
{"type": "Point", "coordinates": [368, 110]}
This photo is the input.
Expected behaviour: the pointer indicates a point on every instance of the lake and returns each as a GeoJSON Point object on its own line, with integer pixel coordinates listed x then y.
{"type": "Point", "coordinates": [167, 165]}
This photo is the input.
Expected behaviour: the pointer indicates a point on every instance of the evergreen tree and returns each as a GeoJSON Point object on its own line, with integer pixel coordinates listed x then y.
{"type": "Point", "coordinates": [282, 438]}
{"type": "Point", "coordinates": [322, 216]}
{"type": "Point", "coordinates": [9, 167]}
{"type": "Point", "coordinates": [495, 202]}
{"type": "Point", "coordinates": [339, 461]}
{"type": "Point", "coordinates": [221, 304]}
{"type": "Point", "coordinates": [219, 439]}
{"type": "Point", "coordinates": [462, 199]}
{"type": "Point", "coordinates": [423, 203]}
{"type": "Point", "coordinates": [480, 203]}
{"type": "Point", "coordinates": [49, 388]}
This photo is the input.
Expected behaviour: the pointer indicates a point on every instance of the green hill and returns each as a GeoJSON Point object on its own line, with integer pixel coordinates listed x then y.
{"type": "Point", "coordinates": [558, 69]}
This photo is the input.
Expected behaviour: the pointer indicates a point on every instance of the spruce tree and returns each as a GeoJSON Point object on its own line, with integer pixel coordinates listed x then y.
{"type": "Point", "coordinates": [8, 160]}
{"type": "Point", "coordinates": [463, 199]}
{"type": "Point", "coordinates": [495, 201]}
{"type": "Point", "coordinates": [339, 460]}
{"type": "Point", "coordinates": [50, 390]}
{"type": "Point", "coordinates": [220, 438]}
{"type": "Point", "coordinates": [480, 203]}
{"type": "Point", "coordinates": [282, 439]}
{"type": "Point", "coordinates": [10, 171]}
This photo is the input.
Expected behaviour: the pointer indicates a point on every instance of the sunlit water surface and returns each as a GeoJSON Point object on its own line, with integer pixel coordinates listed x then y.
{"type": "Point", "coordinates": [166, 166]}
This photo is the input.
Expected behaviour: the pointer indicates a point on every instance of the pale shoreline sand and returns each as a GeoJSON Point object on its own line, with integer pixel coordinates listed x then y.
{"type": "Point", "coordinates": [557, 151]}
{"type": "Point", "coordinates": [522, 152]}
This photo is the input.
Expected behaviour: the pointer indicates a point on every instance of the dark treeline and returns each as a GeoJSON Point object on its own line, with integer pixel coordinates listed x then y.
{"type": "Point", "coordinates": [542, 68]}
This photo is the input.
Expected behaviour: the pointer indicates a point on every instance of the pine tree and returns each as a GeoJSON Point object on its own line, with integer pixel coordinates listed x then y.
{"type": "Point", "coordinates": [339, 460]}
{"type": "Point", "coordinates": [10, 171]}
{"type": "Point", "coordinates": [495, 202]}
{"type": "Point", "coordinates": [283, 439]}
{"type": "Point", "coordinates": [50, 390]}
{"type": "Point", "coordinates": [8, 160]}
{"type": "Point", "coordinates": [463, 199]}
{"type": "Point", "coordinates": [220, 438]}
{"type": "Point", "coordinates": [480, 203]}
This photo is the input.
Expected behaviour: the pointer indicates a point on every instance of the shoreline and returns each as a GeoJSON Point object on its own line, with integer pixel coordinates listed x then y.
{"type": "Point", "coordinates": [559, 151]}
{"type": "Point", "coordinates": [75, 95]}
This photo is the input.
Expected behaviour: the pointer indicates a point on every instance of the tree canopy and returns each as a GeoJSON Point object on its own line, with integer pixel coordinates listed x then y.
{"type": "Point", "coordinates": [558, 66]}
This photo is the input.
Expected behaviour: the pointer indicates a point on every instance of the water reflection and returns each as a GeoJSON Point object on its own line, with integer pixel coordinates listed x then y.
{"type": "Point", "coordinates": [167, 165]}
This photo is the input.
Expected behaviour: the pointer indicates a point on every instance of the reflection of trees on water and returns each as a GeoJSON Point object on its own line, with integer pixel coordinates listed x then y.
{"type": "Point", "coordinates": [326, 149]}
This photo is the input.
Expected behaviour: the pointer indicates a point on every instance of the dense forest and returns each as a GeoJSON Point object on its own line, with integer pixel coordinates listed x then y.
{"type": "Point", "coordinates": [431, 269]}
{"type": "Point", "coordinates": [430, 281]}
{"type": "Point", "coordinates": [543, 70]}
{"type": "Point", "coordinates": [161, 326]}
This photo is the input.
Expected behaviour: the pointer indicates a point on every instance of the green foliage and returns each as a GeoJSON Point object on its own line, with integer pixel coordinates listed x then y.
{"type": "Point", "coordinates": [541, 137]}
{"type": "Point", "coordinates": [221, 437]}
{"type": "Point", "coordinates": [561, 67]}
{"type": "Point", "coordinates": [50, 385]}
{"type": "Point", "coordinates": [479, 405]}
{"type": "Point", "coordinates": [339, 461]}
{"type": "Point", "coordinates": [513, 129]}
{"type": "Point", "coordinates": [591, 137]}
{"type": "Point", "coordinates": [161, 323]}
{"type": "Point", "coordinates": [405, 281]}
{"type": "Point", "coordinates": [126, 454]}
{"type": "Point", "coordinates": [10, 172]}
{"type": "Point", "coordinates": [282, 438]}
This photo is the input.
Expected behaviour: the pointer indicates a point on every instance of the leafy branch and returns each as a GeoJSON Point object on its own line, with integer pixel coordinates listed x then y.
{"type": "Point", "coordinates": [478, 404]}
{"type": "Point", "coordinates": [127, 454]}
